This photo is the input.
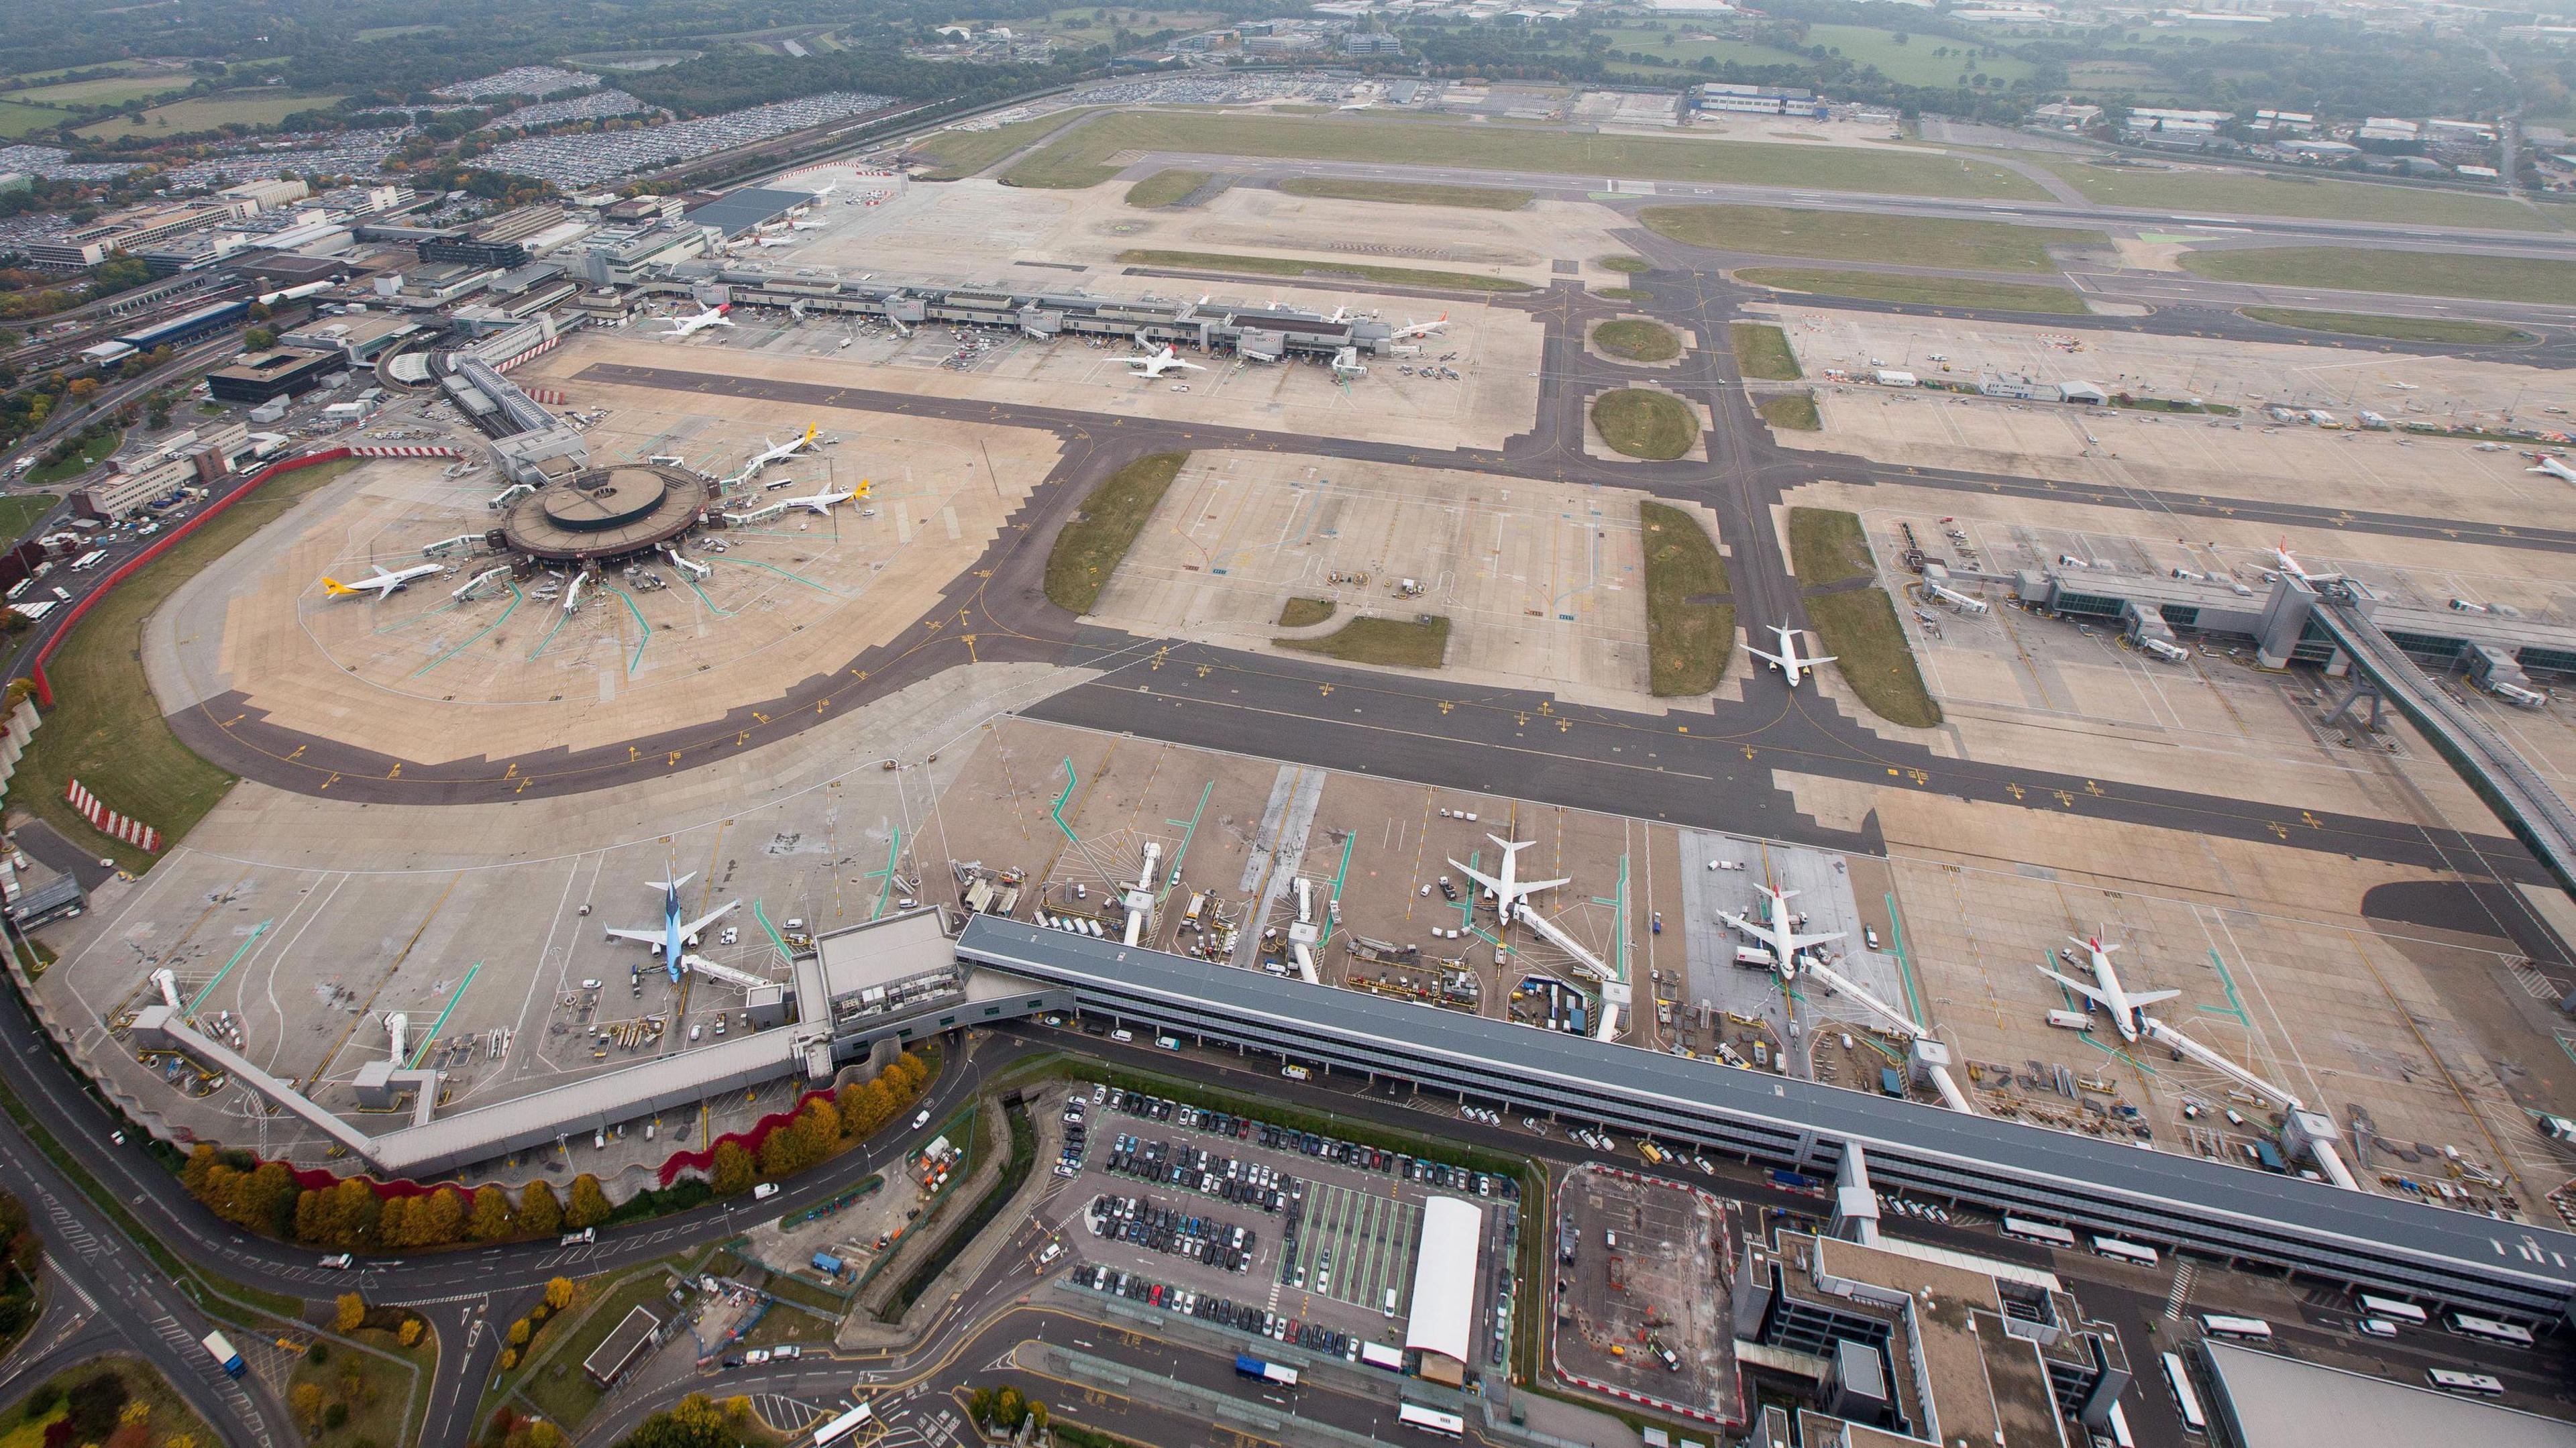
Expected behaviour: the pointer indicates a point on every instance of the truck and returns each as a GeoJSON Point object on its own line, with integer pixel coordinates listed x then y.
{"type": "Point", "coordinates": [1755, 957]}
{"type": "Point", "coordinates": [223, 1354]}
{"type": "Point", "coordinates": [1889, 1083]}
{"type": "Point", "coordinates": [1246, 1365]}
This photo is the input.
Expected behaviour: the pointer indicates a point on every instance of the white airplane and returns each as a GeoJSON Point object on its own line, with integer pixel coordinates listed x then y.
{"type": "Point", "coordinates": [2289, 564]}
{"type": "Point", "coordinates": [2127, 1011]}
{"type": "Point", "coordinates": [1155, 364]}
{"type": "Point", "coordinates": [1507, 889]}
{"type": "Point", "coordinates": [382, 585]}
{"type": "Point", "coordinates": [692, 326]}
{"type": "Point", "coordinates": [2404, 386]}
{"type": "Point", "coordinates": [828, 190]}
{"type": "Point", "coordinates": [1419, 329]}
{"type": "Point", "coordinates": [775, 241]}
{"type": "Point", "coordinates": [2555, 469]}
{"type": "Point", "coordinates": [807, 225]}
{"type": "Point", "coordinates": [671, 943]}
{"type": "Point", "coordinates": [1789, 661]}
{"type": "Point", "coordinates": [778, 452]}
{"type": "Point", "coordinates": [1775, 931]}
{"type": "Point", "coordinates": [823, 502]}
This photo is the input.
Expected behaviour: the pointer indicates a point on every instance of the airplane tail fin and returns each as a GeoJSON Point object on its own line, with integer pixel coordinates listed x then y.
{"type": "Point", "coordinates": [336, 588]}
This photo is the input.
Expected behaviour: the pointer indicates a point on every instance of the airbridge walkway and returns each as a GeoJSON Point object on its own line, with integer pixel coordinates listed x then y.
{"type": "Point", "coordinates": [2535, 811]}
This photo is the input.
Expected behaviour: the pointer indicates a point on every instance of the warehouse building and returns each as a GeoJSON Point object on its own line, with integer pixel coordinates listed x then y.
{"type": "Point", "coordinates": [2263, 1400]}
{"type": "Point", "coordinates": [1442, 1325]}
{"type": "Point", "coordinates": [278, 372]}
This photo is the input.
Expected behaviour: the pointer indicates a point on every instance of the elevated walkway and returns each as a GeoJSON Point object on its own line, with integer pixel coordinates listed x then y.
{"type": "Point", "coordinates": [2538, 816]}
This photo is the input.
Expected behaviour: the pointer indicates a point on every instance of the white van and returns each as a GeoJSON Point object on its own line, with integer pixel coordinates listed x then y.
{"type": "Point", "coordinates": [764, 1191]}
{"type": "Point", "coordinates": [1122, 1035]}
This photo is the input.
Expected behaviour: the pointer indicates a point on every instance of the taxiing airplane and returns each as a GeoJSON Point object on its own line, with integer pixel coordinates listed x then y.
{"type": "Point", "coordinates": [1789, 661]}
{"type": "Point", "coordinates": [2555, 469]}
{"type": "Point", "coordinates": [1507, 889]}
{"type": "Point", "coordinates": [671, 943]}
{"type": "Point", "coordinates": [1155, 364]}
{"type": "Point", "coordinates": [1419, 329]}
{"type": "Point", "coordinates": [692, 326]}
{"type": "Point", "coordinates": [382, 585]}
{"type": "Point", "coordinates": [1775, 931]}
{"type": "Point", "coordinates": [2128, 1012]}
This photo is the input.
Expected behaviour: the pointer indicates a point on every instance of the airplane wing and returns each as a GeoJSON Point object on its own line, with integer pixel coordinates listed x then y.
{"type": "Point", "coordinates": [1801, 942]}
{"type": "Point", "coordinates": [690, 930]}
{"type": "Point", "coordinates": [1818, 659]}
{"type": "Point", "coordinates": [1774, 658]}
{"type": "Point", "coordinates": [1528, 887]}
{"type": "Point", "coordinates": [2089, 992]}
{"type": "Point", "coordinates": [2150, 997]}
{"type": "Point", "coordinates": [1479, 876]}
{"type": "Point", "coordinates": [1740, 923]}
{"type": "Point", "coordinates": [648, 937]}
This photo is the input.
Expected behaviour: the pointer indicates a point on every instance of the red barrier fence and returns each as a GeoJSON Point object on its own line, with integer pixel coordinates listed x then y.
{"type": "Point", "coordinates": [161, 545]}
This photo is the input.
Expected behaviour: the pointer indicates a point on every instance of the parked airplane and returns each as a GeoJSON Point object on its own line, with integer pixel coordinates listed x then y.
{"type": "Point", "coordinates": [1155, 364]}
{"type": "Point", "coordinates": [2128, 1011]}
{"type": "Point", "coordinates": [1507, 889]}
{"type": "Point", "coordinates": [1788, 660]}
{"type": "Point", "coordinates": [1775, 930]}
{"type": "Point", "coordinates": [2287, 563]}
{"type": "Point", "coordinates": [671, 943]}
{"type": "Point", "coordinates": [823, 502]}
{"type": "Point", "coordinates": [1419, 329]}
{"type": "Point", "coordinates": [382, 585]}
{"type": "Point", "coordinates": [774, 241]}
{"type": "Point", "coordinates": [692, 326]}
{"type": "Point", "coordinates": [808, 225]}
{"type": "Point", "coordinates": [778, 452]}
{"type": "Point", "coordinates": [2555, 469]}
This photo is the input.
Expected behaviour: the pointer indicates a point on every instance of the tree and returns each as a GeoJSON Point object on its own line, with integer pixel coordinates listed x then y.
{"type": "Point", "coordinates": [540, 1212]}
{"type": "Point", "coordinates": [559, 1293]}
{"type": "Point", "coordinates": [491, 1217]}
{"type": "Point", "coordinates": [258, 339]}
{"type": "Point", "coordinates": [733, 1171]}
{"type": "Point", "coordinates": [306, 1402]}
{"type": "Point", "coordinates": [409, 1333]}
{"type": "Point", "coordinates": [351, 1314]}
{"type": "Point", "coordinates": [438, 1219]}
{"type": "Point", "coordinates": [520, 1332]}
{"type": "Point", "coordinates": [589, 1205]}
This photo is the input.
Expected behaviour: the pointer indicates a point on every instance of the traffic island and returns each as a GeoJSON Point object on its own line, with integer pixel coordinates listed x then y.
{"type": "Point", "coordinates": [1645, 423]}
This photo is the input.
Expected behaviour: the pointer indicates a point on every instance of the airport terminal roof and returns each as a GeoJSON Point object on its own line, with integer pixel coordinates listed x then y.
{"type": "Point", "coordinates": [1444, 1278]}
{"type": "Point", "coordinates": [2269, 1401]}
{"type": "Point", "coordinates": [743, 210]}
{"type": "Point", "coordinates": [2542, 1258]}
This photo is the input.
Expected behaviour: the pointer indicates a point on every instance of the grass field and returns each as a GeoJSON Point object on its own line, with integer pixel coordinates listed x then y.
{"type": "Point", "coordinates": [1473, 198]}
{"type": "Point", "coordinates": [20, 120]}
{"type": "Point", "coordinates": [556, 1386]}
{"type": "Point", "coordinates": [1762, 352]}
{"type": "Point", "coordinates": [963, 153]}
{"type": "Point", "coordinates": [1638, 341]}
{"type": "Point", "coordinates": [205, 113]}
{"type": "Point", "coordinates": [1630, 264]}
{"type": "Point", "coordinates": [1827, 546]}
{"type": "Point", "coordinates": [1860, 630]}
{"type": "Point", "coordinates": [19, 513]}
{"type": "Point", "coordinates": [1285, 266]}
{"type": "Point", "coordinates": [105, 727]}
{"type": "Point", "coordinates": [1090, 547]}
{"type": "Point", "coordinates": [1625, 294]}
{"type": "Point", "coordinates": [1687, 642]}
{"type": "Point", "coordinates": [91, 454]}
{"type": "Point", "coordinates": [2235, 192]}
{"type": "Point", "coordinates": [2398, 329]}
{"type": "Point", "coordinates": [1645, 424]}
{"type": "Point", "coordinates": [1861, 236]}
{"type": "Point", "coordinates": [1912, 63]}
{"type": "Point", "coordinates": [1920, 291]}
{"type": "Point", "coordinates": [1404, 643]}
{"type": "Point", "coordinates": [1305, 612]}
{"type": "Point", "coordinates": [374, 1391]}
{"type": "Point", "coordinates": [1165, 187]}
{"type": "Point", "coordinates": [2409, 273]}
{"type": "Point", "coordinates": [1079, 159]}
{"type": "Point", "coordinates": [164, 1416]}
{"type": "Point", "coordinates": [1795, 411]}
{"type": "Point", "coordinates": [113, 91]}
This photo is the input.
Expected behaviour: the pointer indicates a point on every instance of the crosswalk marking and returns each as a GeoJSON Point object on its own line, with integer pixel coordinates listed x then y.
{"type": "Point", "coordinates": [2181, 1290]}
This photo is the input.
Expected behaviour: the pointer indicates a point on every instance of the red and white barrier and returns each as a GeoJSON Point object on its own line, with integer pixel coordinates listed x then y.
{"type": "Point", "coordinates": [538, 350]}
{"type": "Point", "coordinates": [546, 395]}
{"type": "Point", "coordinates": [110, 823]}
{"type": "Point", "coordinates": [400, 450]}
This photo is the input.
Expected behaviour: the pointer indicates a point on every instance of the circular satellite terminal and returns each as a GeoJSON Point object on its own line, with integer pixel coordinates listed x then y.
{"type": "Point", "coordinates": [607, 513]}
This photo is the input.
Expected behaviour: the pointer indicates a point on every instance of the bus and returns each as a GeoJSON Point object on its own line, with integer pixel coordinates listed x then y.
{"type": "Point", "coordinates": [2113, 1247]}
{"type": "Point", "coordinates": [2391, 1309]}
{"type": "Point", "coordinates": [1431, 1420]}
{"type": "Point", "coordinates": [2186, 1400]}
{"type": "Point", "coordinates": [2451, 1382]}
{"type": "Point", "coordinates": [2488, 1328]}
{"type": "Point", "coordinates": [2045, 1233]}
{"type": "Point", "coordinates": [89, 560]}
{"type": "Point", "coordinates": [844, 1426]}
{"type": "Point", "coordinates": [2252, 1329]}
{"type": "Point", "coordinates": [2118, 1422]}
{"type": "Point", "coordinates": [1379, 1355]}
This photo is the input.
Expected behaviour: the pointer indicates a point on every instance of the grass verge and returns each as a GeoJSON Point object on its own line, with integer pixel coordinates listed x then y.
{"type": "Point", "coordinates": [1289, 266]}
{"type": "Point", "coordinates": [1638, 341]}
{"type": "Point", "coordinates": [1641, 423]}
{"type": "Point", "coordinates": [1305, 612]}
{"type": "Point", "coordinates": [1079, 158]}
{"type": "Point", "coordinates": [1629, 264]}
{"type": "Point", "coordinates": [1687, 642]}
{"type": "Point", "coordinates": [1090, 547]}
{"type": "Point", "coordinates": [552, 1381]}
{"type": "Point", "coordinates": [1411, 643]}
{"type": "Point", "coordinates": [1474, 198]}
{"type": "Point", "coordinates": [2407, 273]}
{"type": "Point", "coordinates": [1164, 188]}
{"type": "Point", "coordinates": [1762, 352]}
{"type": "Point", "coordinates": [1795, 411]}
{"type": "Point", "coordinates": [1625, 294]}
{"type": "Point", "coordinates": [89, 455]}
{"type": "Point", "coordinates": [2266, 195]}
{"type": "Point", "coordinates": [1826, 545]}
{"type": "Point", "coordinates": [105, 727]}
{"type": "Point", "coordinates": [165, 1417]}
{"type": "Point", "coordinates": [369, 1392]}
{"type": "Point", "coordinates": [1024, 1155]}
{"type": "Point", "coordinates": [1919, 291]}
{"type": "Point", "coordinates": [1868, 644]}
{"type": "Point", "coordinates": [963, 153]}
{"type": "Point", "coordinates": [1863, 236]}
{"type": "Point", "coordinates": [2396, 329]}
